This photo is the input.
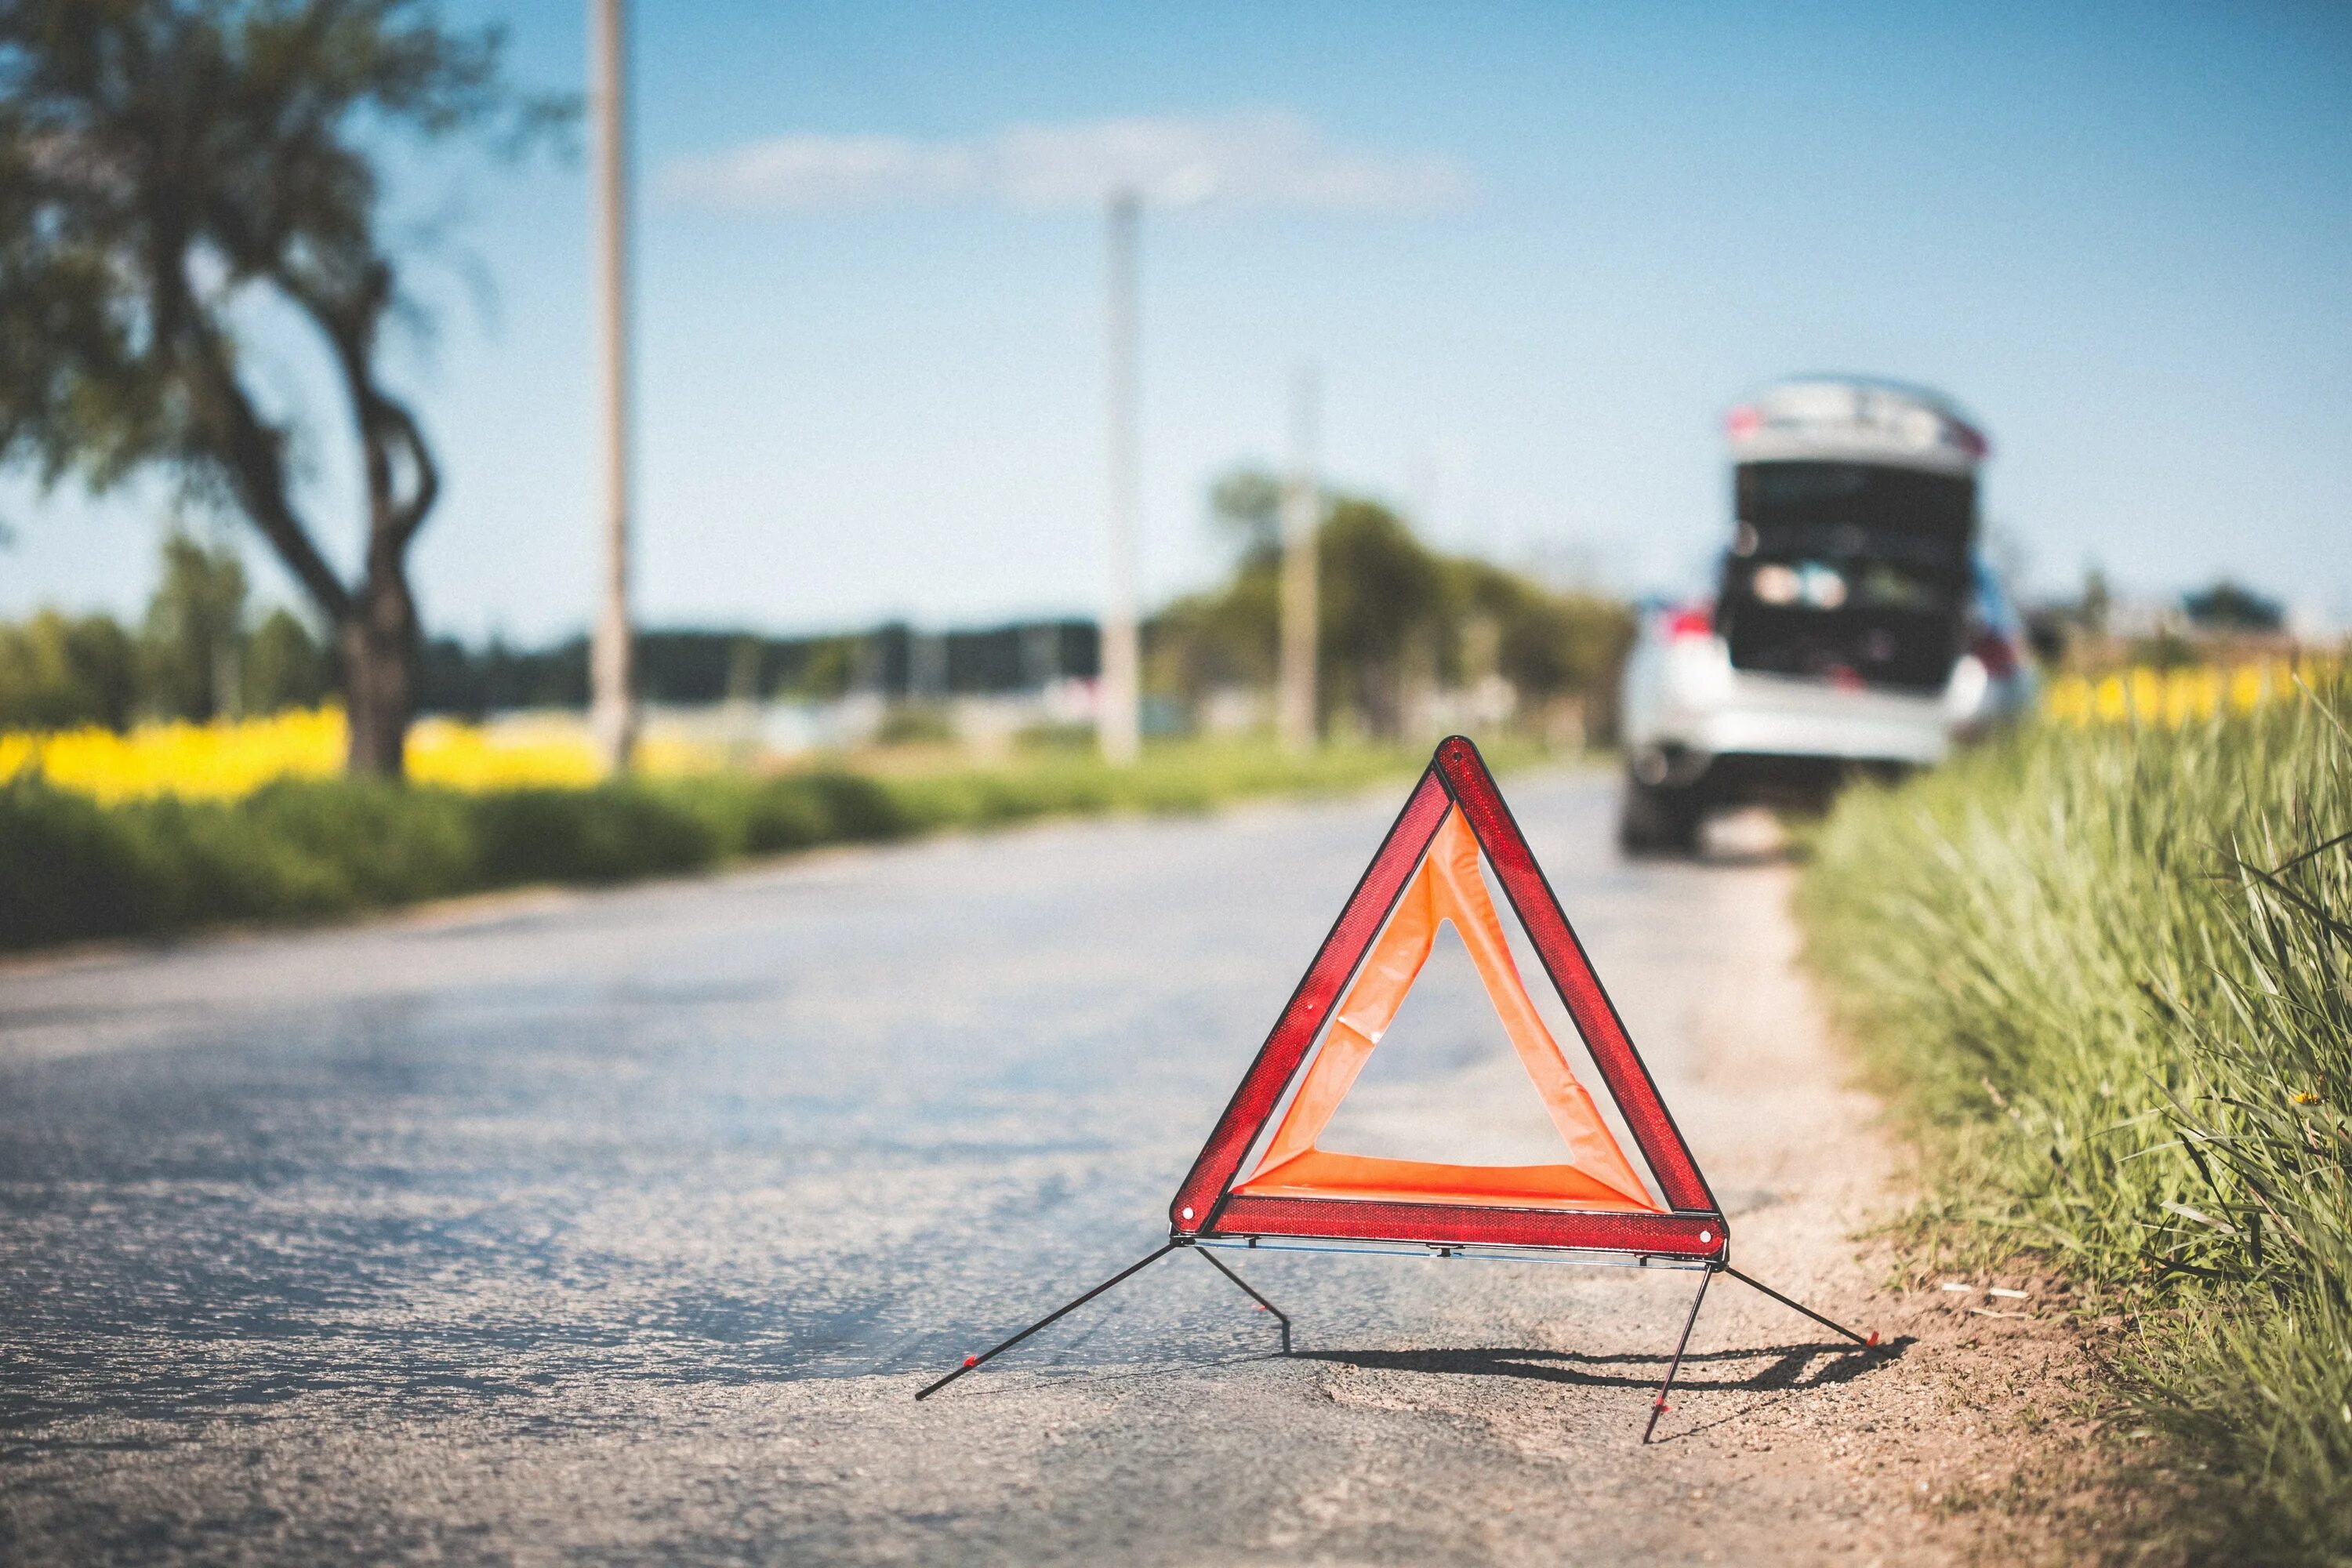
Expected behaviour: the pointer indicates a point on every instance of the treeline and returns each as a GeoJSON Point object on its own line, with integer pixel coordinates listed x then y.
{"type": "Point", "coordinates": [1395, 619]}
{"type": "Point", "coordinates": [688, 667]}
{"type": "Point", "coordinates": [1398, 620]}
{"type": "Point", "coordinates": [201, 653]}
{"type": "Point", "coordinates": [197, 653]}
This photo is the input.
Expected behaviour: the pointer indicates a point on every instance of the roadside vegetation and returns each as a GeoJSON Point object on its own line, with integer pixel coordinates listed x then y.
{"type": "Point", "coordinates": [183, 771]}
{"type": "Point", "coordinates": [2106, 970]}
{"type": "Point", "coordinates": [72, 869]}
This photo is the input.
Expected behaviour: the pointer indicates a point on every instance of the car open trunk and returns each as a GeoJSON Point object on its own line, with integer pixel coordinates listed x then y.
{"type": "Point", "coordinates": [1849, 572]}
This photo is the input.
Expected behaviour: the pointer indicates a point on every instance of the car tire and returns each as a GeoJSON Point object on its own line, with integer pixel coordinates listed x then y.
{"type": "Point", "coordinates": [1658, 819]}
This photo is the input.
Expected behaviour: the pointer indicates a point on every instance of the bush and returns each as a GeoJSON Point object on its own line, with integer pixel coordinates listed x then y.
{"type": "Point", "coordinates": [608, 834]}
{"type": "Point", "coordinates": [2110, 973]}
{"type": "Point", "coordinates": [65, 869]}
{"type": "Point", "coordinates": [371, 843]}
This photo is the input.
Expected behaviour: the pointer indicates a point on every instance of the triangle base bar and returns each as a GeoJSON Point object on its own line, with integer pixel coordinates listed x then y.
{"type": "Point", "coordinates": [1662, 1235]}
{"type": "Point", "coordinates": [1708, 1270]}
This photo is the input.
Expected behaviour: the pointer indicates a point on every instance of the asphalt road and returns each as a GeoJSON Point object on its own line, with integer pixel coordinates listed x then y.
{"type": "Point", "coordinates": [600, 1226]}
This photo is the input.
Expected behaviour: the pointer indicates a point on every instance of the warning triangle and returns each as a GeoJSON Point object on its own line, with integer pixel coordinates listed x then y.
{"type": "Point", "coordinates": [1424, 877]}
{"type": "Point", "coordinates": [1446, 888]}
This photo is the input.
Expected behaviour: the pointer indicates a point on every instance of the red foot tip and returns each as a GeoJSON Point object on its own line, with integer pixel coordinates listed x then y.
{"type": "Point", "coordinates": [1663, 1406]}
{"type": "Point", "coordinates": [971, 1360]}
{"type": "Point", "coordinates": [1871, 1342]}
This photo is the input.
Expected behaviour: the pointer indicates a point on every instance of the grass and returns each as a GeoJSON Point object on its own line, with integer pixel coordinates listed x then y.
{"type": "Point", "coordinates": [2107, 972]}
{"type": "Point", "coordinates": [72, 869]}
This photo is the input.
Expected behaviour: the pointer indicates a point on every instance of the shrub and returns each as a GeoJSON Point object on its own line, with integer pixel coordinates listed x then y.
{"type": "Point", "coordinates": [607, 834]}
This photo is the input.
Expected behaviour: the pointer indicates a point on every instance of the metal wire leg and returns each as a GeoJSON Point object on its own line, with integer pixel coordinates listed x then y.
{"type": "Point", "coordinates": [1658, 1406]}
{"type": "Point", "coordinates": [972, 1361]}
{"type": "Point", "coordinates": [1868, 1341]}
{"type": "Point", "coordinates": [1279, 1316]}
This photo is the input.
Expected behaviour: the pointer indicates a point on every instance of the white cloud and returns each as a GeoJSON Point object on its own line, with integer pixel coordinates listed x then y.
{"type": "Point", "coordinates": [1267, 162]}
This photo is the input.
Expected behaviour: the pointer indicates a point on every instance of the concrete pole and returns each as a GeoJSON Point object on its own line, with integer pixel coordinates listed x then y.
{"type": "Point", "coordinates": [1119, 723]}
{"type": "Point", "coordinates": [1302, 508]}
{"type": "Point", "coordinates": [613, 706]}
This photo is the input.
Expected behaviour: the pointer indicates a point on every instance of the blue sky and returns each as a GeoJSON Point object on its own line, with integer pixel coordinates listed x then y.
{"type": "Point", "coordinates": [1536, 252]}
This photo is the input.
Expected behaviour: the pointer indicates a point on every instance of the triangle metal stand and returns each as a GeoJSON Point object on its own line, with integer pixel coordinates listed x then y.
{"type": "Point", "coordinates": [1658, 1406]}
{"type": "Point", "coordinates": [973, 1362]}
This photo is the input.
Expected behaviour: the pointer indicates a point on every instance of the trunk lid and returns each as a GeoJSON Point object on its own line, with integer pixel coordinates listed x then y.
{"type": "Point", "coordinates": [1855, 573]}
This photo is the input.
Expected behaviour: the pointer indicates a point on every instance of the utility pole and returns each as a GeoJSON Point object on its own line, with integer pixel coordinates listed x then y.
{"type": "Point", "coordinates": [1118, 722]}
{"type": "Point", "coordinates": [613, 706]}
{"type": "Point", "coordinates": [1302, 510]}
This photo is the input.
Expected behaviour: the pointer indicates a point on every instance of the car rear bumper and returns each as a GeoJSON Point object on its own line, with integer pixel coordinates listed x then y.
{"type": "Point", "coordinates": [1736, 736]}
{"type": "Point", "coordinates": [1736, 712]}
{"type": "Point", "coordinates": [1915, 740]}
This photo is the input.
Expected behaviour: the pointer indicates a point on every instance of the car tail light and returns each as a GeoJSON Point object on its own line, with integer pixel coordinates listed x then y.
{"type": "Point", "coordinates": [1691, 621]}
{"type": "Point", "coordinates": [1993, 651]}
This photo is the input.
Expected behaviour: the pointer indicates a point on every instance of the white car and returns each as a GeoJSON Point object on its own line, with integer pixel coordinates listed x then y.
{"type": "Point", "coordinates": [1853, 628]}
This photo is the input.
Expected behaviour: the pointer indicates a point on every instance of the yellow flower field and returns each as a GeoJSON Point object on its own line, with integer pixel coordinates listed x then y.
{"type": "Point", "coordinates": [226, 760]}
{"type": "Point", "coordinates": [2143, 695]}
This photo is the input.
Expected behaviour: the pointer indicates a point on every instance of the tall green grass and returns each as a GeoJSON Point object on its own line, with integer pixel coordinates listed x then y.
{"type": "Point", "coordinates": [73, 869]}
{"type": "Point", "coordinates": [2109, 974]}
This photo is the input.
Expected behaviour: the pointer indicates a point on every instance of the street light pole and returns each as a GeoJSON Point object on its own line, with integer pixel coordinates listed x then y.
{"type": "Point", "coordinates": [613, 708]}
{"type": "Point", "coordinates": [1119, 718]}
{"type": "Point", "coordinates": [1302, 507]}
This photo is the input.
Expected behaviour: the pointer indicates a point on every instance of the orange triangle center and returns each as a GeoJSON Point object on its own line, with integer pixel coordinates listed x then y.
{"type": "Point", "coordinates": [1446, 886]}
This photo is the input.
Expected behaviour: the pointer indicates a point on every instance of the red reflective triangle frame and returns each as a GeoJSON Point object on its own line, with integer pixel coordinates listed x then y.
{"type": "Point", "coordinates": [1206, 1207]}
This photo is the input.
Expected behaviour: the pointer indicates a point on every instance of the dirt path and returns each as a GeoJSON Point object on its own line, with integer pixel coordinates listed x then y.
{"type": "Point", "coordinates": [627, 1225]}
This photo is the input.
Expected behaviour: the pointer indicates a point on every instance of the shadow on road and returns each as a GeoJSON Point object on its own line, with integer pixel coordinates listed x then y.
{"type": "Point", "coordinates": [1814, 1366]}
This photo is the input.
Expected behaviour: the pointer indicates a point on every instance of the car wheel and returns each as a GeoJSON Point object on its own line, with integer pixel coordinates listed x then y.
{"type": "Point", "coordinates": [1658, 819]}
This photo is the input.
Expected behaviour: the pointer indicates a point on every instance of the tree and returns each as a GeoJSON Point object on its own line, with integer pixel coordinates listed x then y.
{"type": "Point", "coordinates": [164, 164]}
{"type": "Point", "coordinates": [191, 648]}
{"type": "Point", "coordinates": [1391, 611]}
{"type": "Point", "coordinates": [1549, 644]}
{"type": "Point", "coordinates": [2097, 602]}
{"type": "Point", "coordinates": [57, 673]}
{"type": "Point", "coordinates": [1217, 639]}
{"type": "Point", "coordinates": [1247, 505]}
{"type": "Point", "coordinates": [1383, 599]}
{"type": "Point", "coordinates": [284, 664]}
{"type": "Point", "coordinates": [2228, 606]}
